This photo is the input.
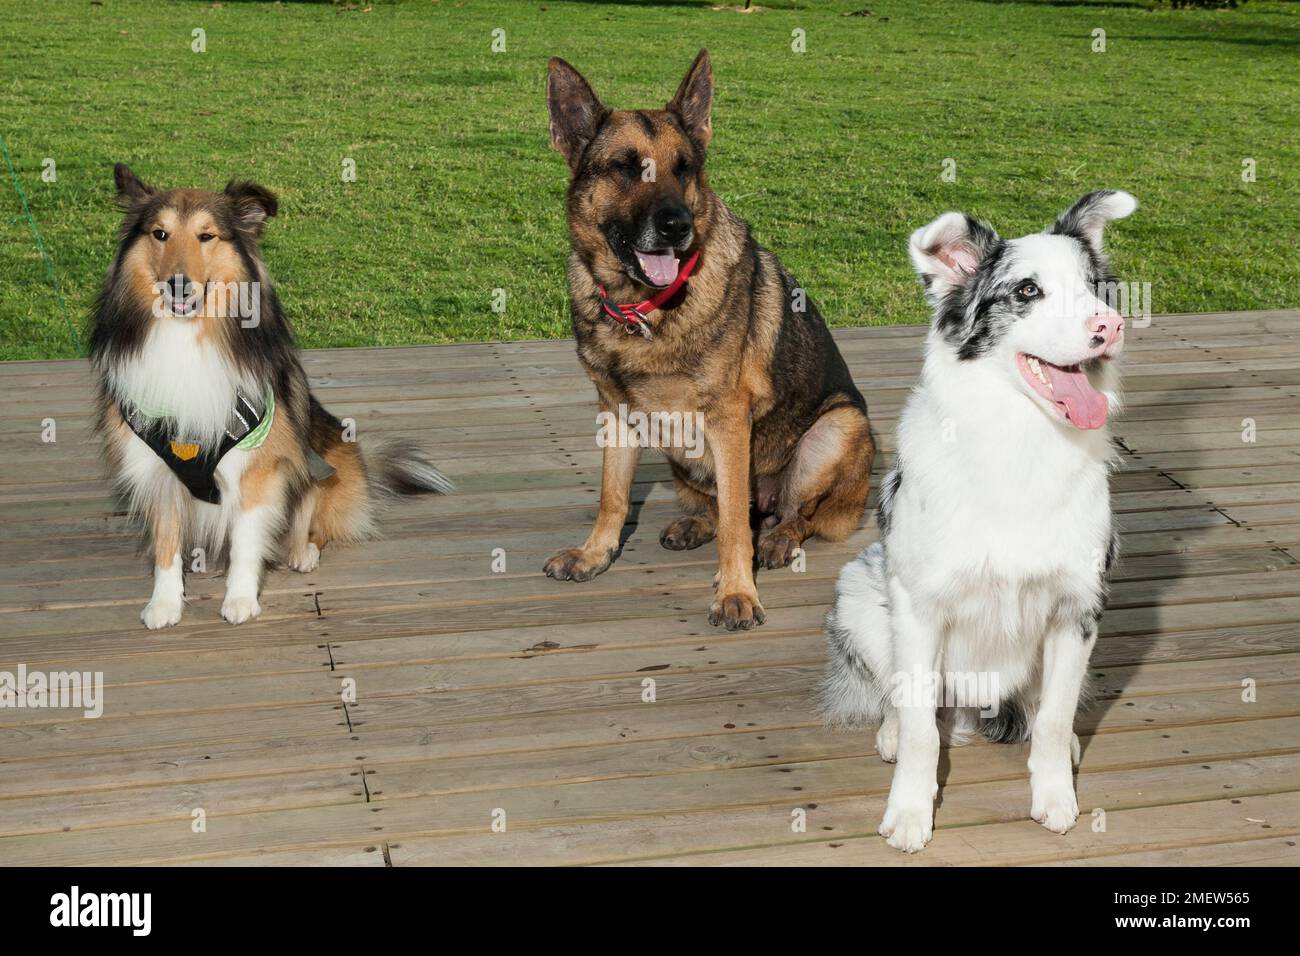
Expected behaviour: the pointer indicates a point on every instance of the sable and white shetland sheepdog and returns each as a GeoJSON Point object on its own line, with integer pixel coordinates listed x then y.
{"type": "Point", "coordinates": [209, 426]}
{"type": "Point", "coordinates": [978, 610]}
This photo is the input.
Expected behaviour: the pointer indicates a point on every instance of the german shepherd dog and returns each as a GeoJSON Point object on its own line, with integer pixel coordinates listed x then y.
{"type": "Point", "coordinates": [209, 427]}
{"type": "Point", "coordinates": [726, 334]}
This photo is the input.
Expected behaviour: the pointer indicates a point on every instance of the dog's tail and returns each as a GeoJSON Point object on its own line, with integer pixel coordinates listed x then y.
{"type": "Point", "coordinates": [352, 485]}
{"type": "Point", "coordinates": [854, 690]}
{"type": "Point", "coordinates": [398, 467]}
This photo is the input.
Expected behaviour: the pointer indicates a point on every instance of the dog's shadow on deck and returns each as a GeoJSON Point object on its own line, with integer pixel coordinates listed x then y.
{"type": "Point", "coordinates": [633, 519]}
{"type": "Point", "coordinates": [1152, 560]}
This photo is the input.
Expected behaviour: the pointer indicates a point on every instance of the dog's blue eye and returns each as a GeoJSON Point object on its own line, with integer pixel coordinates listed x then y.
{"type": "Point", "coordinates": [160, 235]}
{"type": "Point", "coordinates": [1028, 290]}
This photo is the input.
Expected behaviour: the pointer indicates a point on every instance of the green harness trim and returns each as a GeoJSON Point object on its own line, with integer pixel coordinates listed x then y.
{"type": "Point", "coordinates": [259, 432]}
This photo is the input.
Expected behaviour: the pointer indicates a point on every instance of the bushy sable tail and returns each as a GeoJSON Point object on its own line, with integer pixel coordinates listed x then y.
{"type": "Point", "coordinates": [853, 690]}
{"type": "Point", "coordinates": [345, 503]}
{"type": "Point", "coordinates": [397, 467]}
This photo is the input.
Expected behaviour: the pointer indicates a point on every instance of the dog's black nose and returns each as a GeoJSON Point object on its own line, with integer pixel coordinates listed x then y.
{"type": "Point", "coordinates": [179, 287]}
{"type": "Point", "coordinates": [674, 223]}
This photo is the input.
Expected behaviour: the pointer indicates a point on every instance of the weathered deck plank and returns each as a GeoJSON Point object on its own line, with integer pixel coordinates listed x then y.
{"type": "Point", "coordinates": [480, 691]}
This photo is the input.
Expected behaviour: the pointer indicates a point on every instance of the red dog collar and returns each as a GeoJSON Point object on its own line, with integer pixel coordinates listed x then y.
{"type": "Point", "coordinates": [633, 317]}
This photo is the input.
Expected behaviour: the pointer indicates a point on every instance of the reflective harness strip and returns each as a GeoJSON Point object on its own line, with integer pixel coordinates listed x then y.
{"type": "Point", "coordinates": [257, 434]}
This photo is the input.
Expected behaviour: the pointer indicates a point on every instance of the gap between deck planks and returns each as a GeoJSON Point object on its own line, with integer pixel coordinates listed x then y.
{"type": "Point", "coordinates": [480, 689]}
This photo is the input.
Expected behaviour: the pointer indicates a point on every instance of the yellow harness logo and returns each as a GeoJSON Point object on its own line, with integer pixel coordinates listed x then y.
{"type": "Point", "coordinates": [184, 450]}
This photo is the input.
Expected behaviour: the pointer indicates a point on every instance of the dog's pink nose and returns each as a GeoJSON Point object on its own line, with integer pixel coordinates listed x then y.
{"type": "Point", "coordinates": [1106, 328]}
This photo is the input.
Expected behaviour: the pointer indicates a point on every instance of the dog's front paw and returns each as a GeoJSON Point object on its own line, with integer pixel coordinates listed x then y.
{"type": "Point", "coordinates": [238, 608]}
{"type": "Point", "coordinates": [1054, 805]}
{"type": "Point", "coordinates": [306, 560]}
{"type": "Point", "coordinates": [908, 825]}
{"type": "Point", "coordinates": [777, 548]}
{"type": "Point", "coordinates": [687, 532]}
{"type": "Point", "coordinates": [577, 564]}
{"type": "Point", "coordinates": [737, 611]}
{"type": "Point", "coordinates": [162, 612]}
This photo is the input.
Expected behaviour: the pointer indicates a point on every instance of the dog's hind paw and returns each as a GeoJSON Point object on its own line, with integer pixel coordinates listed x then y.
{"type": "Point", "coordinates": [160, 613]}
{"type": "Point", "coordinates": [687, 532]}
{"type": "Point", "coordinates": [306, 560]}
{"type": "Point", "coordinates": [777, 548]}
{"type": "Point", "coordinates": [238, 608]}
{"type": "Point", "coordinates": [887, 738]}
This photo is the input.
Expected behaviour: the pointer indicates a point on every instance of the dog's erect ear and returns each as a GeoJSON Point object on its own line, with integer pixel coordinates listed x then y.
{"type": "Point", "coordinates": [575, 111]}
{"type": "Point", "coordinates": [129, 187]}
{"type": "Point", "coordinates": [694, 99]}
{"type": "Point", "coordinates": [1087, 218]}
{"type": "Point", "coordinates": [948, 251]}
{"type": "Point", "coordinates": [254, 204]}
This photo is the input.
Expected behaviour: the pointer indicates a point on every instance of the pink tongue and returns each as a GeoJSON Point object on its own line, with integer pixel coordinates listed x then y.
{"type": "Point", "coordinates": [1085, 407]}
{"type": "Point", "coordinates": [661, 269]}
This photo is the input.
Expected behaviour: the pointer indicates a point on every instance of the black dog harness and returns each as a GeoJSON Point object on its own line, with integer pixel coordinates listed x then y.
{"type": "Point", "coordinates": [196, 467]}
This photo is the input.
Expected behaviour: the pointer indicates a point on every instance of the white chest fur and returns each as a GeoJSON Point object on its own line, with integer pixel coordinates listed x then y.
{"type": "Point", "coordinates": [180, 374]}
{"type": "Point", "coordinates": [1002, 514]}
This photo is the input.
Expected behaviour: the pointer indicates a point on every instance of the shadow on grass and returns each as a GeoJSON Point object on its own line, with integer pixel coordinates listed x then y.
{"type": "Point", "coordinates": [697, 4]}
{"type": "Point", "coordinates": [1293, 42]}
{"type": "Point", "coordinates": [1129, 4]}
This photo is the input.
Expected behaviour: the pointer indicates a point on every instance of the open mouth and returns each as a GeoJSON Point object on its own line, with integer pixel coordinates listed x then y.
{"type": "Point", "coordinates": [658, 266]}
{"type": "Point", "coordinates": [1067, 388]}
{"type": "Point", "coordinates": [186, 305]}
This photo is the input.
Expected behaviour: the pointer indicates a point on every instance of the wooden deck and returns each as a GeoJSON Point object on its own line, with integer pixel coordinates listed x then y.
{"type": "Point", "coordinates": [480, 692]}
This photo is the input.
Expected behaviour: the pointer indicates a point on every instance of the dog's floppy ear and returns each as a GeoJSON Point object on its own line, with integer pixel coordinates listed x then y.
{"type": "Point", "coordinates": [129, 187]}
{"type": "Point", "coordinates": [948, 252]}
{"type": "Point", "coordinates": [694, 99]}
{"type": "Point", "coordinates": [575, 110]}
{"type": "Point", "coordinates": [254, 204]}
{"type": "Point", "coordinates": [1087, 218]}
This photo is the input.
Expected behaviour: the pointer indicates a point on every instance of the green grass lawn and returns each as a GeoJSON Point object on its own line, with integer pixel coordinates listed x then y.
{"type": "Point", "coordinates": [834, 155]}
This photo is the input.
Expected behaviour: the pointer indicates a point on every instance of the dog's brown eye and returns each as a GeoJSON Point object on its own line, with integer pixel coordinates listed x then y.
{"type": "Point", "coordinates": [160, 235]}
{"type": "Point", "coordinates": [206, 237]}
{"type": "Point", "coordinates": [1028, 290]}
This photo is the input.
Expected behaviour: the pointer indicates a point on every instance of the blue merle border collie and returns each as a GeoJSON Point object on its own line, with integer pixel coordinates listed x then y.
{"type": "Point", "coordinates": [978, 609]}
